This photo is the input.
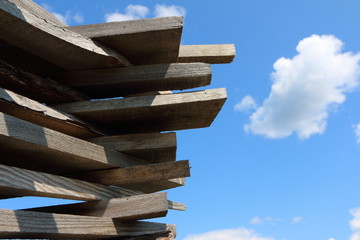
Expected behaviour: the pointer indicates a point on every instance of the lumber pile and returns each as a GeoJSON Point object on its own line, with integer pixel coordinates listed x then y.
{"type": "Point", "coordinates": [87, 113]}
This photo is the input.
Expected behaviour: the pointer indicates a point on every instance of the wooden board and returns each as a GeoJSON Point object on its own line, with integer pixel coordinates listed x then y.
{"type": "Point", "coordinates": [151, 113]}
{"type": "Point", "coordinates": [26, 109]}
{"type": "Point", "coordinates": [144, 41]}
{"type": "Point", "coordinates": [153, 147]}
{"type": "Point", "coordinates": [216, 53]}
{"type": "Point", "coordinates": [27, 145]}
{"type": "Point", "coordinates": [36, 87]}
{"type": "Point", "coordinates": [138, 174]}
{"type": "Point", "coordinates": [116, 82]}
{"type": "Point", "coordinates": [21, 27]}
{"type": "Point", "coordinates": [130, 208]}
{"type": "Point", "coordinates": [155, 186]}
{"type": "Point", "coordinates": [25, 224]}
{"type": "Point", "coordinates": [21, 182]}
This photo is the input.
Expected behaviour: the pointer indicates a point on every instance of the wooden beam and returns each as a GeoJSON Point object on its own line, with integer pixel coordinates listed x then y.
{"type": "Point", "coordinates": [127, 208]}
{"type": "Point", "coordinates": [36, 87]}
{"type": "Point", "coordinates": [27, 145]}
{"type": "Point", "coordinates": [155, 186]}
{"type": "Point", "coordinates": [138, 174]}
{"type": "Point", "coordinates": [153, 147]}
{"type": "Point", "coordinates": [25, 224]}
{"type": "Point", "coordinates": [115, 82]}
{"type": "Point", "coordinates": [21, 182]}
{"type": "Point", "coordinates": [144, 41]}
{"type": "Point", "coordinates": [220, 53]}
{"type": "Point", "coordinates": [26, 109]}
{"type": "Point", "coordinates": [151, 113]}
{"type": "Point", "coordinates": [52, 42]}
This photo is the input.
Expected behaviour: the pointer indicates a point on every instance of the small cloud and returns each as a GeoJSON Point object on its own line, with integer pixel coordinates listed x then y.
{"type": "Point", "coordinates": [228, 234]}
{"type": "Point", "coordinates": [246, 104]}
{"type": "Point", "coordinates": [169, 11]}
{"type": "Point", "coordinates": [296, 219]}
{"type": "Point", "coordinates": [66, 18]}
{"type": "Point", "coordinates": [331, 239]}
{"type": "Point", "coordinates": [357, 132]}
{"type": "Point", "coordinates": [256, 220]}
{"type": "Point", "coordinates": [355, 224]}
{"type": "Point", "coordinates": [132, 12]}
{"type": "Point", "coordinates": [305, 89]}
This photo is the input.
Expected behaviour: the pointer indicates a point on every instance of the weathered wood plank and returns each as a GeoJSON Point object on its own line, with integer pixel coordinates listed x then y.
{"type": "Point", "coordinates": [21, 182]}
{"type": "Point", "coordinates": [155, 186]}
{"type": "Point", "coordinates": [25, 224]}
{"type": "Point", "coordinates": [144, 41]}
{"type": "Point", "coordinates": [127, 208]}
{"type": "Point", "coordinates": [27, 145]}
{"type": "Point", "coordinates": [151, 113]}
{"type": "Point", "coordinates": [24, 108]}
{"type": "Point", "coordinates": [115, 82]}
{"type": "Point", "coordinates": [154, 147]}
{"type": "Point", "coordinates": [21, 27]}
{"type": "Point", "coordinates": [213, 54]}
{"type": "Point", "coordinates": [138, 174]}
{"type": "Point", "coordinates": [36, 87]}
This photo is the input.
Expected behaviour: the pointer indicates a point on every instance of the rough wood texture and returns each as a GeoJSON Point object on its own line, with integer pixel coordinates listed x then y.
{"type": "Point", "coordinates": [144, 41]}
{"type": "Point", "coordinates": [27, 145]}
{"type": "Point", "coordinates": [129, 208]}
{"type": "Point", "coordinates": [155, 186]}
{"type": "Point", "coordinates": [138, 174]}
{"type": "Point", "coordinates": [154, 147]}
{"type": "Point", "coordinates": [21, 182]}
{"type": "Point", "coordinates": [36, 87]}
{"type": "Point", "coordinates": [115, 82]}
{"type": "Point", "coordinates": [24, 108]}
{"type": "Point", "coordinates": [151, 113]}
{"type": "Point", "coordinates": [21, 27]}
{"type": "Point", "coordinates": [24, 224]}
{"type": "Point", "coordinates": [222, 53]}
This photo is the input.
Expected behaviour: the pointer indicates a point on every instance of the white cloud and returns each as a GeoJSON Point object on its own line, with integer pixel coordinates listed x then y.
{"type": "Point", "coordinates": [168, 11]}
{"type": "Point", "coordinates": [132, 12]}
{"type": "Point", "coordinates": [355, 224]}
{"type": "Point", "coordinates": [357, 133]}
{"type": "Point", "coordinates": [305, 88]}
{"type": "Point", "coordinates": [296, 219]}
{"type": "Point", "coordinates": [66, 18]}
{"type": "Point", "coordinates": [331, 239]}
{"type": "Point", "coordinates": [246, 104]}
{"type": "Point", "coordinates": [228, 234]}
{"type": "Point", "coordinates": [256, 220]}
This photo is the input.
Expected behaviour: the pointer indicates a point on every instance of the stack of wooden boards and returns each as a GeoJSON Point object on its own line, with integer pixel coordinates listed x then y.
{"type": "Point", "coordinates": [85, 113]}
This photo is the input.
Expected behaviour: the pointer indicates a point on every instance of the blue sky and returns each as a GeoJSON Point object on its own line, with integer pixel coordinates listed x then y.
{"type": "Point", "coordinates": [284, 163]}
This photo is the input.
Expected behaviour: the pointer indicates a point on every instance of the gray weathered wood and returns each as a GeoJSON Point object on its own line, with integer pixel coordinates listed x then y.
{"type": "Point", "coordinates": [144, 41]}
{"type": "Point", "coordinates": [36, 87]}
{"type": "Point", "coordinates": [151, 113]}
{"type": "Point", "coordinates": [115, 82]}
{"type": "Point", "coordinates": [23, 28]}
{"type": "Point", "coordinates": [25, 224]}
{"type": "Point", "coordinates": [130, 208]}
{"type": "Point", "coordinates": [138, 174]}
{"type": "Point", "coordinates": [24, 108]}
{"type": "Point", "coordinates": [154, 147]}
{"type": "Point", "coordinates": [21, 182]}
{"type": "Point", "coordinates": [40, 148]}
{"type": "Point", "coordinates": [156, 186]}
{"type": "Point", "coordinates": [216, 53]}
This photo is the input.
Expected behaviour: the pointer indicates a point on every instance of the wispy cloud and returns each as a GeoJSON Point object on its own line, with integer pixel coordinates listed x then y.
{"type": "Point", "coordinates": [305, 88]}
{"type": "Point", "coordinates": [258, 220]}
{"type": "Point", "coordinates": [355, 224]}
{"type": "Point", "coordinates": [132, 12]}
{"type": "Point", "coordinates": [357, 132]}
{"type": "Point", "coordinates": [228, 234]}
{"type": "Point", "coordinates": [169, 11]}
{"type": "Point", "coordinates": [68, 18]}
{"type": "Point", "coordinates": [246, 104]}
{"type": "Point", "coordinates": [296, 219]}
